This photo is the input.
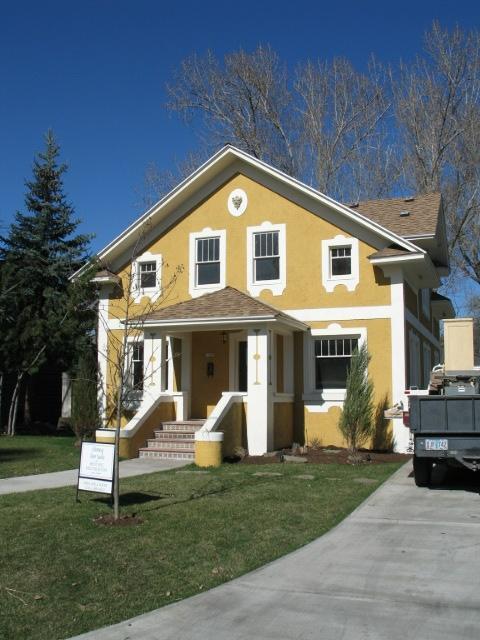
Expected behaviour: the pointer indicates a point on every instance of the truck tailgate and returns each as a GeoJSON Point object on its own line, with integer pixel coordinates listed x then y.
{"type": "Point", "coordinates": [445, 414]}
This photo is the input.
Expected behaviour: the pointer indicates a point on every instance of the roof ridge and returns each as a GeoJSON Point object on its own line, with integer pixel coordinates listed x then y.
{"type": "Point", "coordinates": [405, 198]}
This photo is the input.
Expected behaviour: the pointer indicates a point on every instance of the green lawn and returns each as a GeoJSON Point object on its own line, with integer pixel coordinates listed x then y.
{"type": "Point", "coordinates": [61, 574]}
{"type": "Point", "coordinates": [26, 455]}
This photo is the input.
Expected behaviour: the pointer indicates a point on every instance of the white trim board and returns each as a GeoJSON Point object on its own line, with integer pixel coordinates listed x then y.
{"type": "Point", "coordinates": [341, 313]}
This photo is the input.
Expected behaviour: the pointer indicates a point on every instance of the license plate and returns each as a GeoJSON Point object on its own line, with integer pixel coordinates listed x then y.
{"type": "Point", "coordinates": [436, 444]}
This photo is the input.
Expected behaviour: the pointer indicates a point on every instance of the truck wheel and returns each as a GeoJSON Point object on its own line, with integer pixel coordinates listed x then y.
{"type": "Point", "coordinates": [422, 471]}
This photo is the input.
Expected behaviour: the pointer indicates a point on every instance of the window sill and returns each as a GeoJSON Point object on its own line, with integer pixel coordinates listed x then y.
{"type": "Point", "coordinates": [277, 287]}
{"type": "Point", "coordinates": [201, 289]}
{"type": "Point", "coordinates": [327, 395]}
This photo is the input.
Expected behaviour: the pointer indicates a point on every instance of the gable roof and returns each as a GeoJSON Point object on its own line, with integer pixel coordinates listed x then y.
{"type": "Point", "coordinates": [226, 304]}
{"type": "Point", "coordinates": [421, 219]}
{"type": "Point", "coordinates": [199, 182]}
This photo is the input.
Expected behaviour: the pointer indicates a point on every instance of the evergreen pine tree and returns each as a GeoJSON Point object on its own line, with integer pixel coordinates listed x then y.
{"type": "Point", "coordinates": [356, 420]}
{"type": "Point", "coordinates": [46, 315]}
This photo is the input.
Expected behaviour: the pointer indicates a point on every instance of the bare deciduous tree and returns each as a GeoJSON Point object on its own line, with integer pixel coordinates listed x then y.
{"type": "Point", "coordinates": [245, 101]}
{"type": "Point", "coordinates": [438, 118]}
{"type": "Point", "coordinates": [123, 388]}
{"type": "Point", "coordinates": [344, 128]}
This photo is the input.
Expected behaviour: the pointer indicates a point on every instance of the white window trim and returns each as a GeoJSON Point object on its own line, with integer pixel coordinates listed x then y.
{"type": "Point", "coordinates": [198, 290]}
{"type": "Point", "coordinates": [317, 396]}
{"type": "Point", "coordinates": [277, 287]}
{"type": "Point", "coordinates": [138, 292]}
{"type": "Point", "coordinates": [351, 280]}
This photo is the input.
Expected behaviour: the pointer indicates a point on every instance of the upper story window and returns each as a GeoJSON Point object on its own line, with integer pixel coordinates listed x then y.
{"type": "Point", "coordinates": [266, 256]}
{"type": "Point", "coordinates": [340, 261]}
{"type": "Point", "coordinates": [332, 361]}
{"type": "Point", "coordinates": [208, 261]}
{"type": "Point", "coordinates": [147, 275]}
{"type": "Point", "coordinates": [266, 259]}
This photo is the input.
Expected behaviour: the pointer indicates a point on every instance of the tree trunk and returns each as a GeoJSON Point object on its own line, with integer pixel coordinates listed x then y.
{"type": "Point", "coordinates": [13, 411]}
{"type": "Point", "coordinates": [1, 398]}
{"type": "Point", "coordinates": [116, 460]}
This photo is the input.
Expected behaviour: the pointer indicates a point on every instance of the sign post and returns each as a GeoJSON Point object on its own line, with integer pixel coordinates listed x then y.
{"type": "Point", "coordinates": [96, 468]}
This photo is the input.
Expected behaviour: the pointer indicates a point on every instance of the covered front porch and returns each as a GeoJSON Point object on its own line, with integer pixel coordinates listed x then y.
{"type": "Point", "coordinates": [229, 360]}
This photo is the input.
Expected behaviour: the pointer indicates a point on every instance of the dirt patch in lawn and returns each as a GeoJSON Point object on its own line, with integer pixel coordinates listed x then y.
{"type": "Point", "coordinates": [330, 455]}
{"type": "Point", "coordinates": [123, 521]}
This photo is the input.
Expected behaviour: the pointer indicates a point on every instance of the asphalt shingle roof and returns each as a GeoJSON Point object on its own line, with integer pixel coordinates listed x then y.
{"type": "Point", "coordinates": [422, 218]}
{"type": "Point", "coordinates": [226, 303]}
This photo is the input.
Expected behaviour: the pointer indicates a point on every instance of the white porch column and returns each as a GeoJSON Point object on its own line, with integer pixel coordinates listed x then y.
{"type": "Point", "coordinates": [152, 354]}
{"type": "Point", "coordinates": [260, 406]}
{"type": "Point", "coordinates": [102, 355]}
{"type": "Point", "coordinates": [400, 433]}
{"type": "Point", "coordinates": [186, 373]}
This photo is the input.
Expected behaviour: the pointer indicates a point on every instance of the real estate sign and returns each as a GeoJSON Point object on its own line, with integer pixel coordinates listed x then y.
{"type": "Point", "coordinates": [96, 467]}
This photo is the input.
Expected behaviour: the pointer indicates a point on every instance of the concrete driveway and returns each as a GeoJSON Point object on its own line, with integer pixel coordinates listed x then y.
{"type": "Point", "coordinates": [405, 564]}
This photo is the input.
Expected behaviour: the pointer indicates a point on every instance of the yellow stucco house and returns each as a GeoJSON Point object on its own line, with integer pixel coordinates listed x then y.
{"type": "Point", "coordinates": [251, 343]}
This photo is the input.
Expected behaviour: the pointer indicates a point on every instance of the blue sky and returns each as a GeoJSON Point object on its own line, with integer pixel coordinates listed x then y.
{"type": "Point", "coordinates": [95, 72]}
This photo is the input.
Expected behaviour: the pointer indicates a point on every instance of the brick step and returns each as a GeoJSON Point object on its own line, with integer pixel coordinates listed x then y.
{"type": "Point", "coordinates": [182, 425]}
{"type": "Point", "coordinates": [165, 454]}
{"type": "Point", "coordinates": [184, 445]}
{"type": "Point", "coordinates": [174, 435]}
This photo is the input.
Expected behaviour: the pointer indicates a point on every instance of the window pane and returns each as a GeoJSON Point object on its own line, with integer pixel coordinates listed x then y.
{"type": "Point", "coordinates": [137, 365]}
{"type": "Point", "coordinates": [267, 269]}
{"type": "Point", "coordinates": [148, 274]}
{"type": "Point", "coordinates": [331, 373]}
{"type": "Point", "coordinates": [208, 273]}
{"type": "Point", "coordinates": [275, 243]}
{"type": "Point", "coordinates": [257, 244]}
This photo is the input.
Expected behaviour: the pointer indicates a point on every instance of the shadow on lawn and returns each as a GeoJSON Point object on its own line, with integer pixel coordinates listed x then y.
{"type": "Point", "coordinates": [12, 455]}
{"type": "Point", "coordinates": [134, 497]}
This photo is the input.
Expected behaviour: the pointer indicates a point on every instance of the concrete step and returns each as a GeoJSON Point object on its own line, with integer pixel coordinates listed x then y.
{"type": "Point", "coordinates": [182, 425]}
{"type": "Point", "coordinates": [172, 444]}
{"type": "Point", "coordinates": [165, 454]}
{"type": "Point", "coordinates": [160, 436]}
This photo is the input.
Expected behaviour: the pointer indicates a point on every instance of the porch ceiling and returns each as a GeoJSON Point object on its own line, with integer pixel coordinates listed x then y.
{"type": "Point", "coordinates": [225, 307]}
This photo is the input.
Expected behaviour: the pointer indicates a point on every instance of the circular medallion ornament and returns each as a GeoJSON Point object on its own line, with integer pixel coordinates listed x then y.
{"type": "Point", "coordinates": [237, 202]}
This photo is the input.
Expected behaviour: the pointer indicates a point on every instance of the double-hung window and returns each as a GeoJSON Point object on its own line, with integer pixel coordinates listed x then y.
{"type": "Point", "coordinates": [340, 261]}
{"type": "Point", "coordinates": [266, 256]}
{"type": "Point", "coordinates": [136, 365]}
{"type": "Point", "coordinates": [207, 266]}
{"type": "Point", "coordinates": [332, 361]}
{"type": "Point", "coordinates": [147, 275]}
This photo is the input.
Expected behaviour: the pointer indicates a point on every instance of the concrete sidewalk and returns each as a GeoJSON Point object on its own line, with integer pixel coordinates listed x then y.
{"type": "Point", "coordinates": [128, 468]}
{"type": "Point", "coordinates": [403, 566]}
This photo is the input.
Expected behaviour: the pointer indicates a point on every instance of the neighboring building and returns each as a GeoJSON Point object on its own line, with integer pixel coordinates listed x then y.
{"type": "Point", "coordinates": [280, 285]}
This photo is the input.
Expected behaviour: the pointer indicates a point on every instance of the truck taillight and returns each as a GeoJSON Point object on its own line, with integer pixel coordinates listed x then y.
{"type": "Point", "coordinates": [406, 419]}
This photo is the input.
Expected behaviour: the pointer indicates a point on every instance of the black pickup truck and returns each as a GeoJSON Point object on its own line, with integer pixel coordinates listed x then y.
{"type": "Point", "coordinates": [446, 428]}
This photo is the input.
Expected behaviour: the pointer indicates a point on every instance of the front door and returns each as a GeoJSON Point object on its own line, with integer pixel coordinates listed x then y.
{"type": "Point", "coordinates": [209, 371]}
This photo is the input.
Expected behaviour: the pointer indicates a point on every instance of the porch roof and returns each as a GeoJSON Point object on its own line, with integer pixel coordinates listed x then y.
{"type": "Point", "coordinates": [227, 306]}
